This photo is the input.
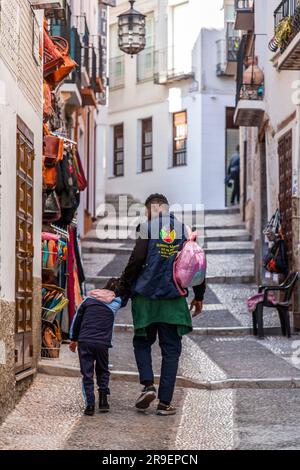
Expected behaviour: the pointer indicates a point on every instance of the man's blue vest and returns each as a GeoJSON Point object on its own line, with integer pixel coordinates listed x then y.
{"type": "Point", "coordinates": [166, 236]}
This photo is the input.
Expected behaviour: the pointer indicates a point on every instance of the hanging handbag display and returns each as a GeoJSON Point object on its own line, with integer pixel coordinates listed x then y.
{"type": "Point", "coordinates": [51, 210]}
{"type": "Point", "coordinates": [81, 179]}
{"type": "Point", "coordinates": [49, 177]}
{"type": "Point", "coordinates": [276, 261]}
{"type": "Point", "coordinates": [273, 227]}
{"type": "Point", "coordinates": [47, 108]}
{"type": "Point", "coordinates": [53, 57]}
{"type": "Point", "coordinates": [53, 150]}
{"type": "Point", "coordinates": [67, 66]}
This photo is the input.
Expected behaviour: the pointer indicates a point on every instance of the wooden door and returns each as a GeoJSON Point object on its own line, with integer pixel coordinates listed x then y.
{"type": "Point", "coordinates": [285, 151]}
{"type": "Point", "coordinates": [24, 248]}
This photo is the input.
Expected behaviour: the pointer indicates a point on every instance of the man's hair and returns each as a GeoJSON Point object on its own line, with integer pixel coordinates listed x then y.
{"type": "Point", "coordinates": [237, 148]}
{"type": "Point", "coordinates": [156, 198]}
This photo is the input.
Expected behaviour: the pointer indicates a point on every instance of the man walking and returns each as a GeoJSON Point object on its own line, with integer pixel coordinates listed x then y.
{"type": "Point", "coordinates": [157, 307]}
{"type": "Point", "coordinates": [234, 175]}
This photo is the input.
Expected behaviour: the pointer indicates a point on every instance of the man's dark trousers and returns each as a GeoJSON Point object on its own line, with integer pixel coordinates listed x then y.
{"type": "Point", "coordinates": [236, 187]}
{"type": "Point", "coordinates": [170, 345]}
{"type": "Point", "coordinates": [93, 357]}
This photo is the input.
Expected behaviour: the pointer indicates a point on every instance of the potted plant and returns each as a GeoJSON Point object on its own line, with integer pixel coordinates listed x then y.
{"type": "Point", "coordinates": [283, 32]}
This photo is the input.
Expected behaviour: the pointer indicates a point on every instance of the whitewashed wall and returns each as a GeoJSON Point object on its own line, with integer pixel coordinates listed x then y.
{"type": "Point", "coordinates": [202, 180]}
{"type": "Point", "coordinates": [20, 95]}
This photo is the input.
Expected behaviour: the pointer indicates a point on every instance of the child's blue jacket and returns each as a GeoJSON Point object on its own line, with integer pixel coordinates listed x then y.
{"type": "Point", "coordinates": [94, 321]}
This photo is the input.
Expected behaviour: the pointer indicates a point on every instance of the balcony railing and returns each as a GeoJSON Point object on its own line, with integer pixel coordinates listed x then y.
{"type": "Point", "coordinates": [286, 28]}
{"type": "Point", "coordinates": [117, 72]}
{"type": "Point", "coordinates": [244, 5]}
{"type": "Point", "coordinates": [233, 43]}
{"type": "Point", "coordinates": [86, 47]}
{"type": "Point", "coordinates": [250, 106]}
{"type": "Point", "coordinates": [64, 29]}
{"type": "Point", "coordinates": [172, 65]}
{"type": "Point", "coordinates": [146, 64]}
{"type": "Point", "coordinates": [285, 9]}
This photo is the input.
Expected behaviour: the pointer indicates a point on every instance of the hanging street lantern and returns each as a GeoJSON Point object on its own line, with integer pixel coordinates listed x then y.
{"type": "Point", "coordinates": [132, 31]}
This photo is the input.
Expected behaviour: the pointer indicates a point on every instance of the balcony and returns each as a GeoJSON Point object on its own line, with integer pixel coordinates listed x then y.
{"type": "Point", "coordinates": [72, 85]}
{"type": "Point", "coordinates": [233, 41]}
{"type": "Point", "coordinates": [172, 65]}
{"type": "Point", "coordinates": [286, 40]}
{"type": "Point", "coordinates": [244, 19]}
{"type": "Point", "coordinates": [53, 9]}
{"type": "Point", "coordinates": [146, 65]}
{"type": "Point", "coordinates": [250, 107]}
{"type": "Point", "coordinates": [117, 72]}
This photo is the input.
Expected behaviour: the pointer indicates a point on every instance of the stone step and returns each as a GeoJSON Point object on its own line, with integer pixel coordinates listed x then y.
{"type": "Point", "coordinates": [96, 247]}
{"type": "Point", "coordinates": [227, 211]}
{"type": "Point", "coordinates": [209, 236]}
{"type": "Point", "coordinates": [100, 281]}
{"type": "Point", "coordinates": [223, 227]}
{"type": "Point", "coordinates": [58, 370]}
{"type": "Point", "coordinates": [229, 238]}
{"type": "Point", "coordinates": [210, 331]}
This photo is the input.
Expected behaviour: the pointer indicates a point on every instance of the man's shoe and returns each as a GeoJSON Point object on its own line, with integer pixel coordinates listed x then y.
{"type": "Point", "coordinates": [103, 403]}
{"type": "Point", "coordinates": [165, 410]}
{"type": "Point", "coordinates": [89, 411]}
{"type": "Point", "coordinates": [147, 396]}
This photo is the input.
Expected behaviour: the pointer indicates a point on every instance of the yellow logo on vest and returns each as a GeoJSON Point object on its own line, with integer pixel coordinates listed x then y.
{"type": "Point", "coordinates": [168, 235]}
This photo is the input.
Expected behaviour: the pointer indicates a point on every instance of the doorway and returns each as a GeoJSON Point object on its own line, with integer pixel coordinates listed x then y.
{"type": "Point", "coordinates": [232, 139]}
{"type": "Point", "coordinates": [24, 248]}
{"type": "Point", "coordinates": [285, 150]}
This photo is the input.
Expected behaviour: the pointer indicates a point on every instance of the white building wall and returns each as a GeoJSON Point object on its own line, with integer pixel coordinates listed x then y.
{"type": "Point", "coordinates": [20, 95]}
{"type": "Point", "coordinates": [202, 179]}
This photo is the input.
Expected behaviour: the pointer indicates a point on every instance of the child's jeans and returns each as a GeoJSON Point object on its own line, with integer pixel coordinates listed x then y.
{"type": "Point", "coordinates": [93, 357]}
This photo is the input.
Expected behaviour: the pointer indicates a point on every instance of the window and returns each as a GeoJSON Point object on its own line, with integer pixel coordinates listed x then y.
{"type": "Point", "coordinates": [180, 56]}
{"type": "Point", "coordinates": [179, 138]}
{"type": "Point", "coordinates": [119, 150]}
{"type": "Point", "coordinates": [147, 144]}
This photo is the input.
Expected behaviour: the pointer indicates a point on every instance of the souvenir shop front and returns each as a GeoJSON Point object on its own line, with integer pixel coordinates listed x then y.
{"type": "Point", "coordinates": [63, 182]}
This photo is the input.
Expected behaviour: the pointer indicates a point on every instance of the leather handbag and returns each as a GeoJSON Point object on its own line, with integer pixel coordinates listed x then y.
{"type": "Point", "coordinates": [53, 150]}
{"type": "Point", "coordinates": [49, 177]}
{"type": "Point", "coordinates": [47, 109]}
{"type": "Point", "coordinates": [67, 66]}
{"type": "Point", "coordinates": [51, 211]}
{"type": "Point", "coordinates": [276, 260]}
{"type": "Point", "coordinates": [81, 179]}
{"type": "Point", "coordinates": [53, 57]}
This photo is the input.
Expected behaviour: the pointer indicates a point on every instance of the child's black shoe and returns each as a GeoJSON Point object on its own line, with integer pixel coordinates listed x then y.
{"type": "Point", "coordinates": [103, 402]}
{"type": "Point", "coordinates": [89, 411]}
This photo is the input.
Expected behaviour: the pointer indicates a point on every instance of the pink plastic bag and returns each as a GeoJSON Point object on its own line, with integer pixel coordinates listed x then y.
{"type": "Point", "coordinates": [189, 267]}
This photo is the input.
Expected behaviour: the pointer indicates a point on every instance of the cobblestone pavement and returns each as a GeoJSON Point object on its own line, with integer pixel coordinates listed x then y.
{"type": "Point", "coordinates": [262, 413]}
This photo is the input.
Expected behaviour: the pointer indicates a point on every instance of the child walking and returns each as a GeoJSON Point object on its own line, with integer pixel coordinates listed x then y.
{"type": "Point", "coordinates": [91, 332]}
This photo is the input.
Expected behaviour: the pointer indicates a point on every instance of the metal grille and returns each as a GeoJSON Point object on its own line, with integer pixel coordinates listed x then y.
{"type": "Point", "coordinates": [285, 146]}
{"type": "Point", "coordinates": [147, 144]}
{"type": "Point", "coordinates": [119, 150]}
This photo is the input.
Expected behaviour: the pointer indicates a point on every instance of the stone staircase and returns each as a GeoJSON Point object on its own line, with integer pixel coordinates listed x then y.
{"type": "Point", "coordinates": [228, 245]}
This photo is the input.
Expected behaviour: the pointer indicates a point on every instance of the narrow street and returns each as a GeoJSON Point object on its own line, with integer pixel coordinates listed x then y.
{"type": "Point", "coordinates": [234, 391]}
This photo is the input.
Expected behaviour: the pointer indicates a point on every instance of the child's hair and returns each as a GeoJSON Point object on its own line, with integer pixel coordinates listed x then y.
{"type": "Point", "coordinates": [114, 285]}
